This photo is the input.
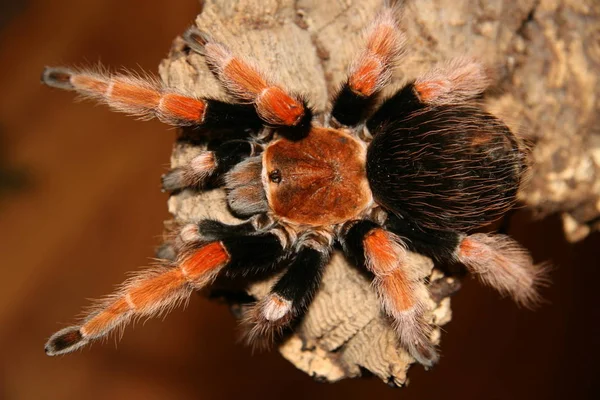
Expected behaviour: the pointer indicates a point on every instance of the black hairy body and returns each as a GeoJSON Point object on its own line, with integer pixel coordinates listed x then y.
{"type": "Point", "coordinates": [447, 167]}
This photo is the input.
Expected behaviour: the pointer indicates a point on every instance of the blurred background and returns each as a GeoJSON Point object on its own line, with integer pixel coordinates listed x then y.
{"type": "Point", "coordinates": [80, 205]}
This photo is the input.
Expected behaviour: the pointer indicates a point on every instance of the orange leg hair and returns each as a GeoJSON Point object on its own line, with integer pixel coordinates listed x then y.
{"type": "Point", "coordinates": [149, 293]}
{"type": "Point", "coordinates": [372, 69]}
{"type": "Point", "coordinates": [400, 291]}
{"type": "Point", "coordinates": [142, 97]}
{"type": "Point", "coordinates": [273, 104]}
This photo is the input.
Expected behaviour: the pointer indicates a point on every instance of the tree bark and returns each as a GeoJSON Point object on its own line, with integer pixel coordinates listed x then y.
{"type": "Point", "coordinates": [546, 54]}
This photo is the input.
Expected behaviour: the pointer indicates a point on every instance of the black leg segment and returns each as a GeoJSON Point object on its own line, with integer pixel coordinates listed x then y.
{"type": "Point", "coordinates": [439, 245]}
{"type": "Point", "coordinates": [397, 107]}
{"type": "Point", "coordinates": [302, 278]}
{"type": "Point", "coordinates": [350, 108]}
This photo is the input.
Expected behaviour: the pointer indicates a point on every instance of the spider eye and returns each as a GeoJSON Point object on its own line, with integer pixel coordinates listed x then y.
{"type": "Point", "coordinates": [275, 176]}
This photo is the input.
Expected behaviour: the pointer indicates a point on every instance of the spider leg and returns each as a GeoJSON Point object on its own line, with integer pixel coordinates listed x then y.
{"type": "Point", "coordinates": [240, 77]}
{"type": "Point", "coordinates": [454, 81]}
{"type": "Point", "coordinates": [400, 290]}
{"type": "Point", "coordinates": [451, 82]}
{"type": "Point", "coordinates": [147, 98]}
{"type": "Point", "coordinates": [498, 260]}
{"type": "Point", "coordinates": [290, 295]}
{"type": "Point", "coordinates": [293, 291]}
{"type": "Point", "coordinates": [370, 71]}
{"type": "Point", "coordinates": [209, 164]}
{"type": "Point", "coordinates": [246, 194]}
{"type": "Point", "coordinates": [502, 263]}
{"type": "Point", "coordinates": [157, 290]}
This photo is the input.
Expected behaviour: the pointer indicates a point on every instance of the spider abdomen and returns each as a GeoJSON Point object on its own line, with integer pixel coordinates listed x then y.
{"type": "Point", "coordinates": [447, 168]}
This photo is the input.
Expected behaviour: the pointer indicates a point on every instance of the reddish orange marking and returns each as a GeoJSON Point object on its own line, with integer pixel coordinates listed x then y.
{"type": "Point", "coordinates": [245, 76]}
{"type": "Point", "coordinates": [151, 291]}
{"type": "Point", "coordinates": [429, 90]}
{"type": "Point", "coordinates": [277, 300]}
{"type": "Point", "coordinates": [278, 108]}
{"type": "Point", "coordinates": [98, 324]}
{"type": "Point", "coordinates": [387, 267]}
{"type": "Point", "coordinates": [380, 249]}
{"type": "Point", "coordinates": [209, 257]}
{"type": "Point", "coordinates": [89, 84]}
{"type": "Point", "coordinates": [182, 107]}
{"type": "Point", "coordinates": [382, 45]}
{"type": "Point", "coordinates": [364, 79]}
{"type": "Point", "coordinates": [467, 247]}
{"type": "Point", "coordinates": [134, 95]}
{"type": "Point", "coordinates": [398, 290]}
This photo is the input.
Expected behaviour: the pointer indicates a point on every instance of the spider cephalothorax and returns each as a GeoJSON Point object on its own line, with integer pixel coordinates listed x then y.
{"type": "Point", "coordinates": [417, 172]}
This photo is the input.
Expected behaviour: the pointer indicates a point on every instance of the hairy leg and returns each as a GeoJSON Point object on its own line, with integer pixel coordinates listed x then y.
{"type": "Point", "coordinates": [451, 82]}
{"type": "Point", "coordinates": [156, 290]}
{"type": "Point", "coordinates": [502, 263]}
{"type": "Point", "coordinates": [245, 81]}
{"type": "Point", "coordinates": [147, 98]}
{"type": "Point", "coordinates": [370, 71]}
{"type": "Point", "coordinates": [208, 165]}
{"type": "Point", "coordinates": [496, 259]}
{"type": "Point", "coordinates": [400, 290]}
{"type": "Point", "coordinates": [291, 294]}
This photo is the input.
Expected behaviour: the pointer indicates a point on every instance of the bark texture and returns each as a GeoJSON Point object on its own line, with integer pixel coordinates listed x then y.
{"type": "Point", "coordinates": [546, 54]}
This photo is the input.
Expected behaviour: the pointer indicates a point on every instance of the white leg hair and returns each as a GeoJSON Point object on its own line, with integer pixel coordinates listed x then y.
{"type": "Point", "coordinates": [502, 263]}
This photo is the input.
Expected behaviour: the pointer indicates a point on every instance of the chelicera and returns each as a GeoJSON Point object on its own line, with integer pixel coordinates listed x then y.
{"type": "Point", "coordinates": [416, 171]}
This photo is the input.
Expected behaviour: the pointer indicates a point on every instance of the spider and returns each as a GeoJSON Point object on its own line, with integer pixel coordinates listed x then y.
{"type": "Point", "coordinates": [416, 171]}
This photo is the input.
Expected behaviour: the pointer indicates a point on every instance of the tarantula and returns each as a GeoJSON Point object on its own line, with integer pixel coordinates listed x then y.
{"type": "Point", "coordinates": [415, 171]}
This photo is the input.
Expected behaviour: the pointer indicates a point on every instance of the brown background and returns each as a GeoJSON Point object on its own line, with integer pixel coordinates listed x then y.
{"type": "Point", "coordinates": [80, 205]}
